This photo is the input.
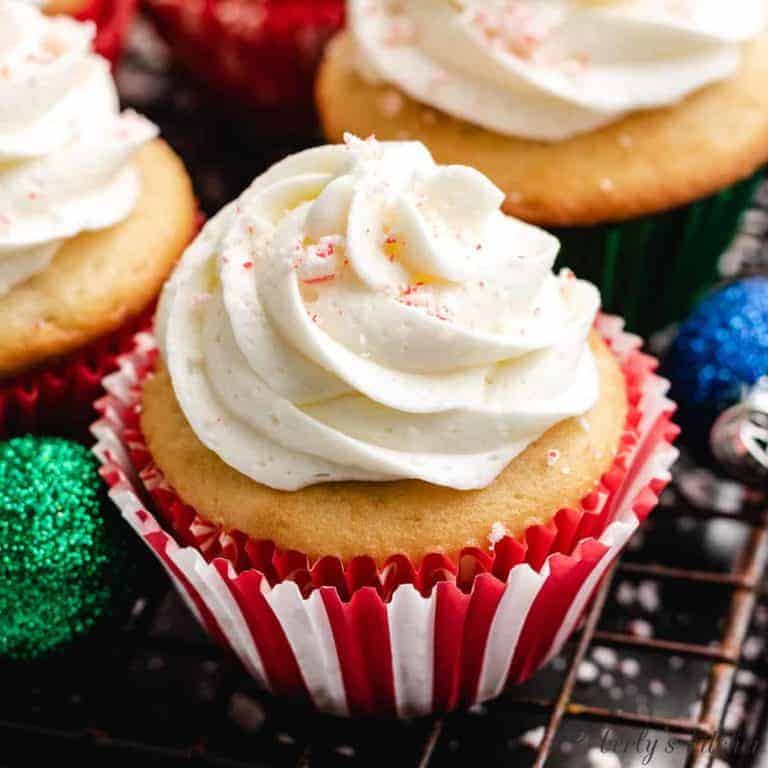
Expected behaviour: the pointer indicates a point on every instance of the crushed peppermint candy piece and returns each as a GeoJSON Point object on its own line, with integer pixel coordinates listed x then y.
{"type": "Point", "coordinates": [533, 738]}
{"type": "Point", "coordinates": [497, 533]}
{"type": "Point", "coordinates": [640, 628]}
{"type": "Point", "coordinates": [605, 657]}
{"type": "Point", "coordinates": [629, 667]}
{"type": "Point", "coordinates": [588, 672]}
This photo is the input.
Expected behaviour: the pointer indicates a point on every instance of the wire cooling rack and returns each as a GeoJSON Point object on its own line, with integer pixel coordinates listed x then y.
{"type": "Point", "coordinates": [669, 669]}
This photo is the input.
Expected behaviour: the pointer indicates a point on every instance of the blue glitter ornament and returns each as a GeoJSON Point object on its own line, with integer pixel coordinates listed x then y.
{"type": "Point", "coordinates": [721, 349]}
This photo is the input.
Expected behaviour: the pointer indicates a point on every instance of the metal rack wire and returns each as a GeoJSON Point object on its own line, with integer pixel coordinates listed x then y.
{"type": "Point", "coordinates": [745, 583]}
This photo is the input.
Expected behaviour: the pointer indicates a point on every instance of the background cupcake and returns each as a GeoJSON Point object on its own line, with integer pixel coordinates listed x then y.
{"type": "Point", "coordinates": [263, 55]}
{"type": "Point", "coordinates": [94, 212]}
{"type": "Point", "coordinates": [371, 382]}
{"type": "Point", "coordinates": [642, 163]}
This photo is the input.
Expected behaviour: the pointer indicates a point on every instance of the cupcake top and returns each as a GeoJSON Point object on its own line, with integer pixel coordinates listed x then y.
{"type": "Point", "coordinates": [65, 149]}
{"type": "Point", "coordinates": [550, 69]}
{"type": "Point", "coordinates": [361, 313]}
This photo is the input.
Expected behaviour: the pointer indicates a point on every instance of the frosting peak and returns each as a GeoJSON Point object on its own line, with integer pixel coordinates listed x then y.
{"type": "Point", "coordinates": [550, 69]}
{"type": "Point", "coordinates": [361, 313]}
{"type": "Point", "coordinates": [65, 149]}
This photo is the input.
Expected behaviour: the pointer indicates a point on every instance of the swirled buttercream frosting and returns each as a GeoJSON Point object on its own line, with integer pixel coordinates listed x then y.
{"type": "Point", "coordinates": [361, 313]}
{"type": "Point", "coordinates": [65, 150]}
{"type": "Point", "coordinates": [550, 69]}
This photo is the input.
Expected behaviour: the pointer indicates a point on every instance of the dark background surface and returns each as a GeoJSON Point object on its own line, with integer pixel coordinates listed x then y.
{"type": "Point", "coordinates": [157, 692]}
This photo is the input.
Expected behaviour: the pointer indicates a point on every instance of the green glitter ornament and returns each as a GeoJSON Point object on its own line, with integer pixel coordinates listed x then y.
{"type": "Point", "coordinates": [60, 557]}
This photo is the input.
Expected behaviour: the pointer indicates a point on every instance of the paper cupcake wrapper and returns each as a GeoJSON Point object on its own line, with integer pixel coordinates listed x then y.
{"type": "Point", "coordinates": [264, 55]}
{"type": "Point", "coordinates": [651, 270]}
{"type": "Point", "coordinates": [58, 398]}
{"type": "Point", "coordinates": [112, 18]}
{"type": "Point", "coordinates": [407, 639]}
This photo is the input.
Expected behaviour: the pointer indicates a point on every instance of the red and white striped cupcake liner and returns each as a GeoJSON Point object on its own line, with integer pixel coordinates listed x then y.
{"type": "Point", "coordinates": [58, 397]}
{"type": "Point", "coordinates": [408, 638]}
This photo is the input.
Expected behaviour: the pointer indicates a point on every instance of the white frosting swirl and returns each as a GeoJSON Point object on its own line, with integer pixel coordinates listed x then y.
{"type": "Point", "coordinates": [65, 149]}
{"type": "Point", "coordinates": [550, 69]}
{"type": "Point", "coordinates": [361, 313]}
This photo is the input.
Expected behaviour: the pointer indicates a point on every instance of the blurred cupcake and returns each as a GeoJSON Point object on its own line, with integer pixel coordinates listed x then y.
{"type": "Point", "coordinates": [112, 19]}
{"type": "Point", "coordinates": [389, 455]}
{"type": "Point", "coordinates": [94, 212]}
{"type": "Point", "coordinates": [261, 54]}
{"type": "Point", "coordinates": [634, 127]}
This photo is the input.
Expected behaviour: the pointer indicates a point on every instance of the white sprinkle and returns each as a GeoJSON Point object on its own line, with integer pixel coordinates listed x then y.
{"type": "Point", "coordinates": [648, 596]}
{"type": "Point", "coordinates": [746, 679]}
{"type": "Point", "coordinates": [566, 470]}
{"type": "Point", "coordinates": [599, 759]}
{"type": "Point", "coordinates": [605, 657]}
{"type": "Point", "coordinates": [676, 662]}
{"type": "Point", "coordinates": [498, 532]}
{"type": "Point", "coordinates": [657, 688]}
{"type": "Point", "coordinates": [606, 185]}
{"type": "Point", "coordinates": [629, 667]}
{"type": "Point", "coordinates": [640, 628]}
{"type": "Point", "coordinates": [607, 680]}
{"type": "Point", "coordinates": [626, 141]}
{"type": "Point", "coordinates": [532, 738]}
{"type": "Point", "coordinates": [588, 672]}
{"type": "Point", "coordinates": [753, 647]}
{"type": "Point", "coordinates": [626, 593]}
{"type": "Point", "coordinates": [345, 750]}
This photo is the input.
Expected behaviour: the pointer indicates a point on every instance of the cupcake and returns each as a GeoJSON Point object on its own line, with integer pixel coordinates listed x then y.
{"type": "Point", "coordinates": [388, 450]}
{"type": "Point", "coordinates": [263, 55]}
{"type": "Point", "coordinates": [112, 19]}
{"type": "Point", "coordinates": [94, 212]}
{"type": "Point", "coordinates": [634, 128]}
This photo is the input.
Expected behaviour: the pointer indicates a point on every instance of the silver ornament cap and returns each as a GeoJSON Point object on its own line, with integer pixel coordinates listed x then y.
{"type": "Point", "coordinates": [739, 437]}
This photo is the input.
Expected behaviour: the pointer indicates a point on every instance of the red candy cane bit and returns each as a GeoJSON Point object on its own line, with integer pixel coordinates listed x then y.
{"type": "Point", "coordinates": [323, 279]}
